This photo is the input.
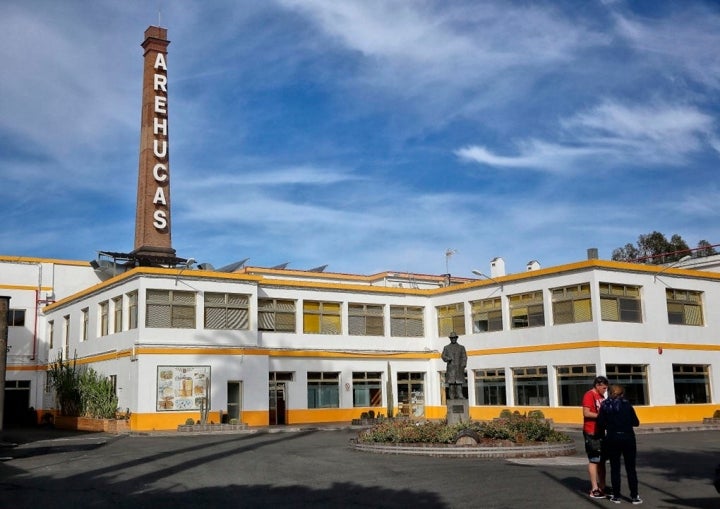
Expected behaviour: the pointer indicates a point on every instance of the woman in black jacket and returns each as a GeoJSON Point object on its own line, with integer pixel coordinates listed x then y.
{"type": "Point", "coordinates": [616, 419]}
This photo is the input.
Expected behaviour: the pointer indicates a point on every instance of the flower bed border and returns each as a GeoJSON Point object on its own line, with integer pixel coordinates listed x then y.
{"type": "Point", "coordinates": [536, 450]}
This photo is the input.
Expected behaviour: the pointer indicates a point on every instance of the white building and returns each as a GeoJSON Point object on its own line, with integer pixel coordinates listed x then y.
{"type": "Point", "coordinates": [285, 346]}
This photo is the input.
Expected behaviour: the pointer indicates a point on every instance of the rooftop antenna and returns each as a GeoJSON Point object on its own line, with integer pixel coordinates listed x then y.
{"type": "Point", "coordinates": [448, 253]}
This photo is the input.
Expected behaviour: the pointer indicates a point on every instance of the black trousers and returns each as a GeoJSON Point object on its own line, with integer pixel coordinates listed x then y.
{"type": "Point", "coordinates": [622, 445]}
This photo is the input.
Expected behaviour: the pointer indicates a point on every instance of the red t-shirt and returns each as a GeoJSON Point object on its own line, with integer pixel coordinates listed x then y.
{"type": "Point", "coordinates": [591, 400]}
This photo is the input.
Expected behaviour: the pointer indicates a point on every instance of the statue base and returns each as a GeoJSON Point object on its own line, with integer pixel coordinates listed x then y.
{"type": "Point", "coordinates": [457, 411]}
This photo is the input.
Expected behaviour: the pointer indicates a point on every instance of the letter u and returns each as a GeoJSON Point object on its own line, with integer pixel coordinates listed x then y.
{"type": "Point", "coordinates": [157, 152]}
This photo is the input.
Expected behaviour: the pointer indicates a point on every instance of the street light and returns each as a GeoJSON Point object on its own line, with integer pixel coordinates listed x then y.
{"type": "Point", "coordinates": [484, 276]}
{"type": "Point", "coordinates": [673, 264]}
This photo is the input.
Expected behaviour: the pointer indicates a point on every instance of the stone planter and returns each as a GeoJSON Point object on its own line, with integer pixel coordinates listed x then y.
{"type": "Point", "coordinates": [213, 428]}
{"type": "Point", "coordinates": [90, 424]}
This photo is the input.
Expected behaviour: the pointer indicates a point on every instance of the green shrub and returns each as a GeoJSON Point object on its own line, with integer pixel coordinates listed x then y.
{"type": "Point", "coordinates": [82, 391]}
{"type": "Point", "coordinates": [716, 414]}
{"type": "Point", "coordinates": [189, 422]}
{"type": "Point", "coordinates": [97, 395]}
{"type": "Point", "coordinates": [536, 414]}
{"type": "Point", "coordinates": [505, 413]}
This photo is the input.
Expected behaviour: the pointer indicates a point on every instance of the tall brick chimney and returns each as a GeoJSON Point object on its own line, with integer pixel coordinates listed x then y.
{"type": "Point", "coordinates": [152, 216]}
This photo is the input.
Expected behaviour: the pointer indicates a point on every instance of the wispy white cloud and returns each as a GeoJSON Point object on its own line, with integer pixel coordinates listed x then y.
{"type": "Point", "coordinates": [613, 135]}
{"type": "Point", "coordinates": [685, 40]}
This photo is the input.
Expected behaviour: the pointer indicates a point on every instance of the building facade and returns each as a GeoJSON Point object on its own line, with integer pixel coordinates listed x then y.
{"type": "Point", "coordinates": [278, 346]}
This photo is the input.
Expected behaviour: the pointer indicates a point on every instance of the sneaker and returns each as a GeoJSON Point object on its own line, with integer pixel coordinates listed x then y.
{"type": "Point", "coordinates": [615, 500]}
{"type": "Point", "coordinates": [597, 494]}
{"type": "Point", "coordinates": [637, 500]}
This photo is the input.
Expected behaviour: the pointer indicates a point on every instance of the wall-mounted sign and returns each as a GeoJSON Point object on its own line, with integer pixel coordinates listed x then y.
{"type": "Point", "coordinates": [182, 388]}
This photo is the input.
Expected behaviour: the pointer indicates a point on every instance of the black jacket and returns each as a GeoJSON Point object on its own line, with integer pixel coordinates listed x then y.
{"type": "Point", "coordinates": [617, 416]}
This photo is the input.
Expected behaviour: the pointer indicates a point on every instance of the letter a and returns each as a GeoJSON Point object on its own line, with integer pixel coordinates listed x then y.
{"type": "Point", "coordinates": [160, 62]}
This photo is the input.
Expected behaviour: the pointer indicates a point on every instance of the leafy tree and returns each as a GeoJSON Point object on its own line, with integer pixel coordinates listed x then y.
{"type": "Point", "coordinates": [654, 248]}
{"type": "Point", "coordinates": [704, 248]}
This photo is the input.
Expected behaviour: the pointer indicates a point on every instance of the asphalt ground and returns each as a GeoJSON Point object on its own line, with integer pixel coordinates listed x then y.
{"type": "Point", "coordinates": [298, 468]}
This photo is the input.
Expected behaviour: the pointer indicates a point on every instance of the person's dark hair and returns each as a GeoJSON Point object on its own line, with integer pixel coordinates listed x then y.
{"type": "Point", "coordinates": [600, 380]}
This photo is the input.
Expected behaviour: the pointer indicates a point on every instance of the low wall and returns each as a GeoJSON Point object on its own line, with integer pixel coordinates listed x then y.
{"type": "Point", "coordinates": [89, 424]}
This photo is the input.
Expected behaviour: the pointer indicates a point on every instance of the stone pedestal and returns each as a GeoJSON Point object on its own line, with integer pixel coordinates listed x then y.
{"type": "Point", "coordinates": [457, 411]}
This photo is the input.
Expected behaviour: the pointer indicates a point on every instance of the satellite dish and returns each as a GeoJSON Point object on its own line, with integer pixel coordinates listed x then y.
{"type": "Point", "coordinates": [205, 266]}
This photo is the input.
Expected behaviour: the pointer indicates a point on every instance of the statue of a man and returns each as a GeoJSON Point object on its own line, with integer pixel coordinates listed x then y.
{"type": "Point", "coordinates": [455, 356]}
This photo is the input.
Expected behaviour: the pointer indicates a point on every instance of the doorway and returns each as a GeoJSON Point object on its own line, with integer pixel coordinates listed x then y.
{"type": "Point", "coordinates": [277, 403]}
{"type": "Point", "coordinates": [411, 393]}
{"type": "Point", "coordinates": [234, 401]}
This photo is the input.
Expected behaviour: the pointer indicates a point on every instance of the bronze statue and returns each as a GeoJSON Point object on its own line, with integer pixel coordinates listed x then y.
{"type": "Point", "coordinates": [455, 357]}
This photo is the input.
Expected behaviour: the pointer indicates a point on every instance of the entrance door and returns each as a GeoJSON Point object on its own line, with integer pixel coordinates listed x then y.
{"type": "Point", "coordinates": [234, 400]}
{"type": "Point", "coordinates": [277, 402]}
{"type": "Point", "coordinates": [17, 404]}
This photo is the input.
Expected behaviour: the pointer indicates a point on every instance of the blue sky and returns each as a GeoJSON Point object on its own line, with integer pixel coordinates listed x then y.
{"type": "Point", "coordinates": [367, 135]}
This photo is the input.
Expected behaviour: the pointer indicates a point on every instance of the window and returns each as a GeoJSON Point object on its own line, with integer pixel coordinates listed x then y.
{"type": "Point", "coordinates": [16, 317]}
{"type": "Point", "coordinates": [85, 315]}
{"type": "Point", "coordinates": [112, 379]}
{"type": "Point", "coordinates": [571, 304]}
{"type": "Point", "coordinates": [367, 388]}
{"type": "Point", "coordinates": [170, 308]}
{"type": "Point", "coordinates": [527, 310]}
{"type": "Point", "coordinates": [487, 315]}
{"type": "Point", "coordinates": [276, 315]}
{"type": "Point", "coordinates": [451, 318]}
{"type": "Point", "coordinates": [692, 383]}
{"type": "Point", "coordinates": [406, 322]}
{"type": "Point", "coordinates": [573, 382]}
{"type": "Point", "coordinates": [620, 303]}
{"type": "Point", "coordinates": [103, 312]}
{"type": "Point", "coordinates": [132, 310]}
{"type": "Point", "coordinates": [66, 337]}
{"type": "Point", "coordinates": [531, 386]}
{"type": "Point", "coordinates": [51, 333]}
{"type": "Point", "coordinates": [365, 320]}
{"type": "Point", "coordinates": [117, 314]}
{"type": "Point", "coordinates": [490, 387]}
{"type": "Point", "coordinates": [633, 377]}
{"type": "Point", "coordinates": [321, 317]}
{"type": "Point", "coordinates": [227, 311]}
{"type": "Point", "coordinates": [684, 307]}
{"type": "Point", "coordinates": [323, 390]}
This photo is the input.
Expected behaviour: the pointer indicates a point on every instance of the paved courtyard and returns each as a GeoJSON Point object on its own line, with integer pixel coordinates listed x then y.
{"type": "Point", "coordinates": [316, 468]}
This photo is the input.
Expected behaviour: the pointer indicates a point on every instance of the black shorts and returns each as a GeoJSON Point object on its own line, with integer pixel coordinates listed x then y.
{"type": "Point", "coordinates": [593, 448]}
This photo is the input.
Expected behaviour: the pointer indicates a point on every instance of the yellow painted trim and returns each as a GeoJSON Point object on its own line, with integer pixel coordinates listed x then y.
{"type": "Point", "coordinates": [322, 415]}
{"type": "Point", "coordinates": [25, 367]}
{"type": "Point", "coordinates": [593, 344]}
{"type": "Point", "coordinates": [25, 288]}
{"type": "Point", "coordinates": [573, 415]}
{"type": "Point", "coordinates": [25, 259]}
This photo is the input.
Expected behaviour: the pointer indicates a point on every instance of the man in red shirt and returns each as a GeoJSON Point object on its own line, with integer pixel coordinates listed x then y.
{"type": "Point", "coordinates": [596, 461]}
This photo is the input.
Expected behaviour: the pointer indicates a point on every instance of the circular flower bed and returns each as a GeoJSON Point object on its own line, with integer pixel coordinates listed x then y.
{"type": "Point", "coordinates": [508, 430]}
{"type": "Point", "coordinates": [509, 436]}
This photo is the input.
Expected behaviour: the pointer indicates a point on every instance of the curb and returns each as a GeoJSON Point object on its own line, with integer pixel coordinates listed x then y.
{"type": "Point", "coordinates": [519, 451]}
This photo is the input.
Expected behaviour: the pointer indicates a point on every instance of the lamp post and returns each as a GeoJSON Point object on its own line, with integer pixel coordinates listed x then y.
{"type": "Point", "coordinates": [4, 307]}
{"type": "Point", "coordinates": [478, 273]}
